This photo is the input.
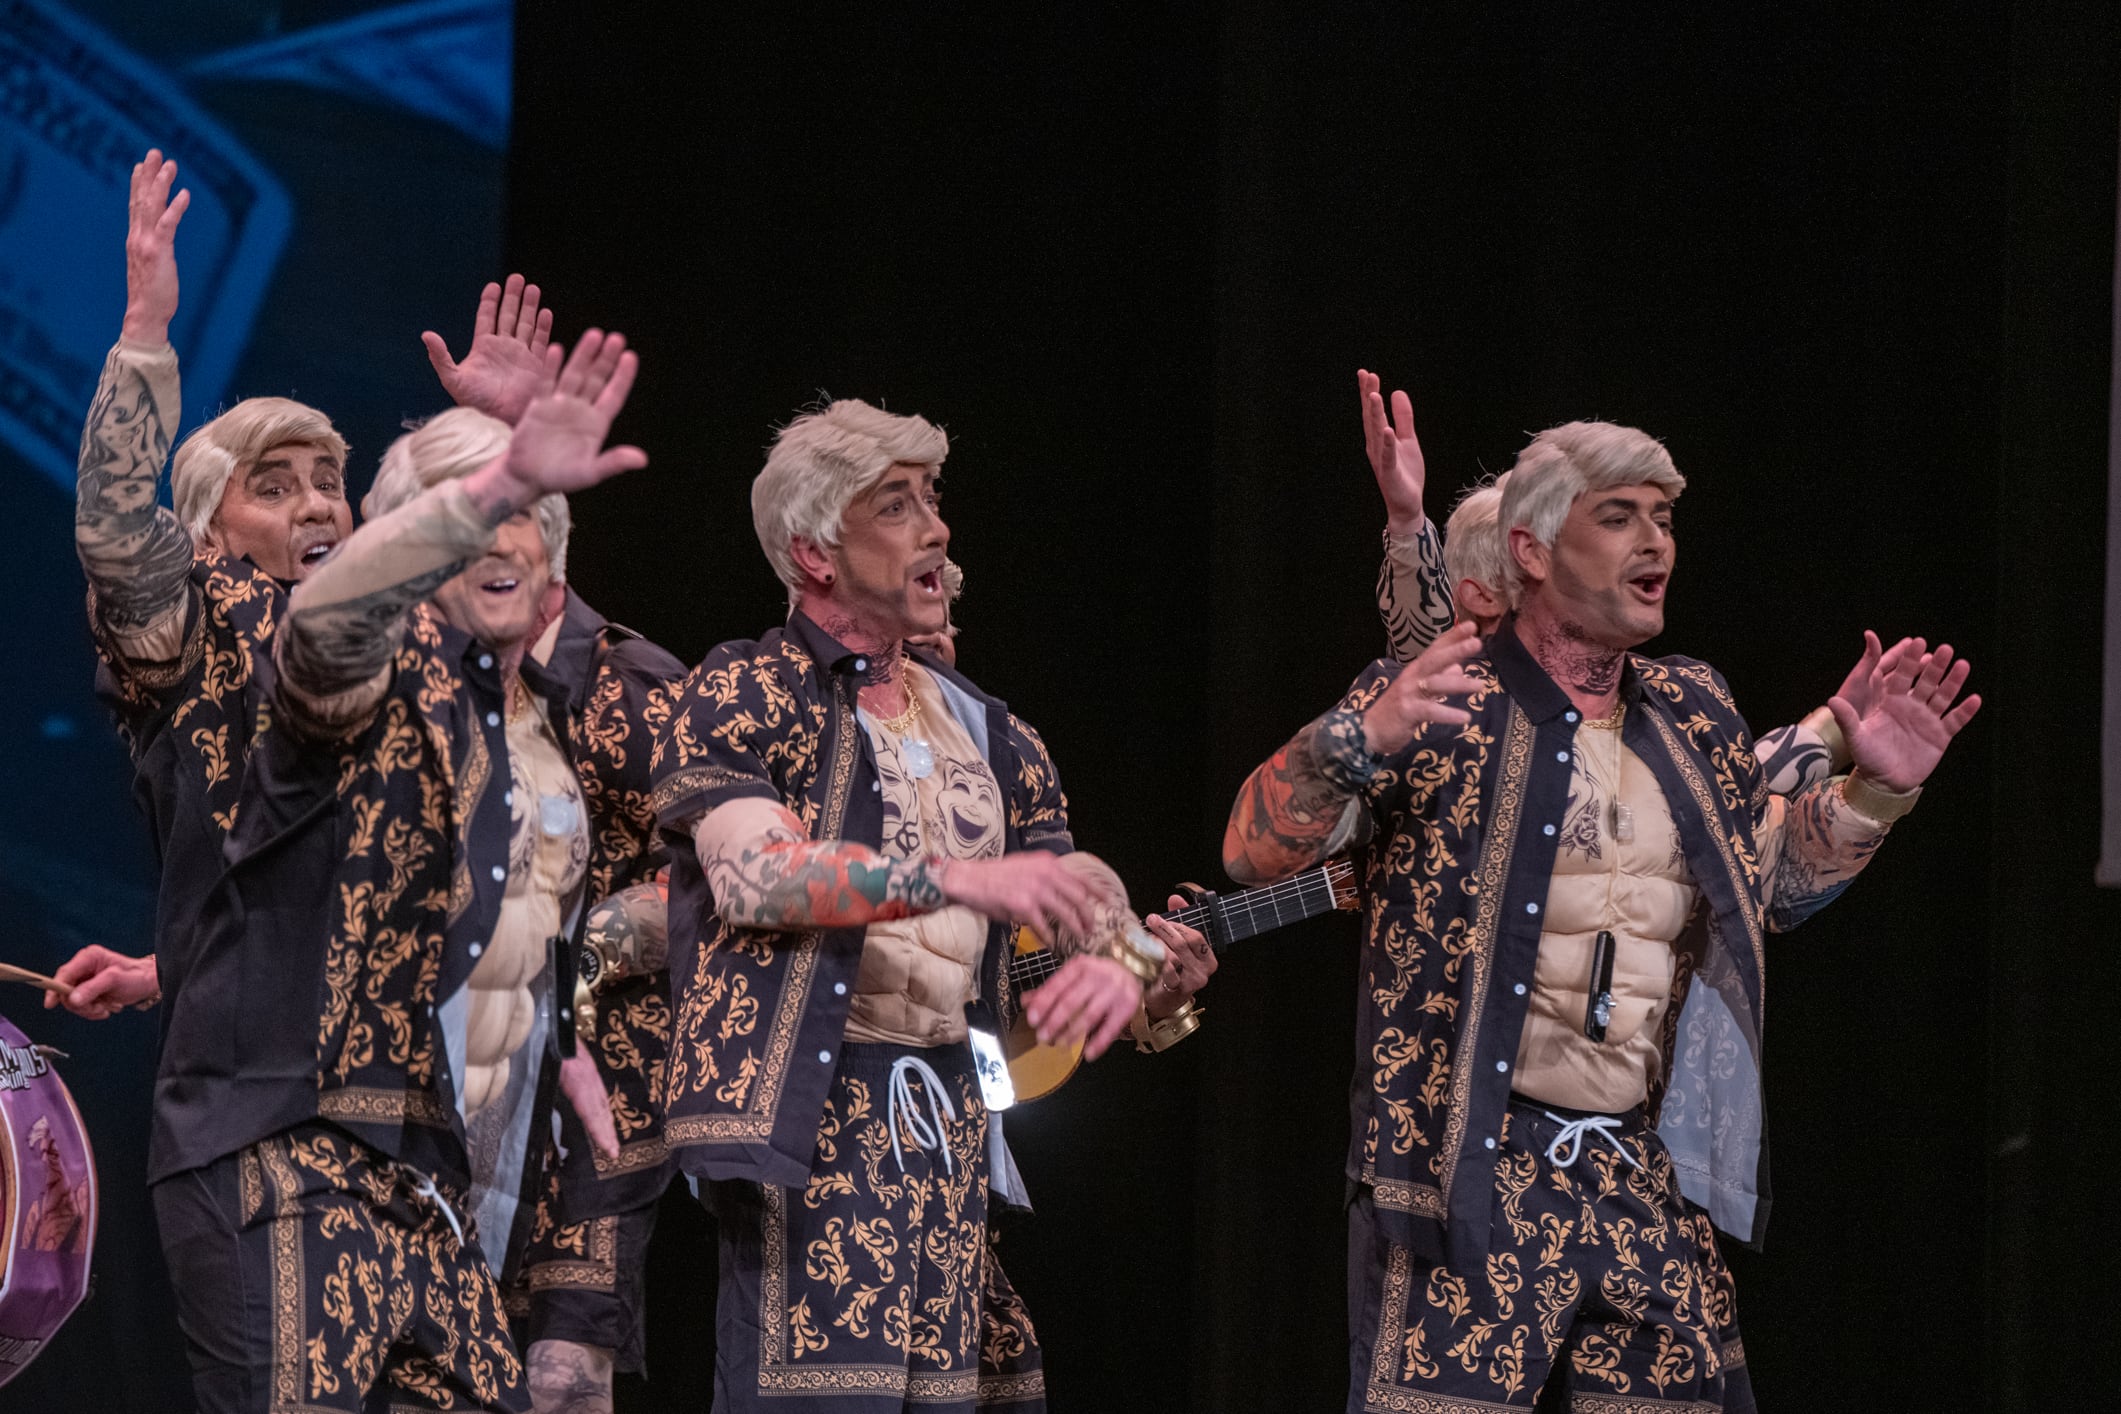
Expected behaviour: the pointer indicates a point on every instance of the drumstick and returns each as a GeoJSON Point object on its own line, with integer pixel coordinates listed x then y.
{"type": "Point", "coordinates": [11, 973]}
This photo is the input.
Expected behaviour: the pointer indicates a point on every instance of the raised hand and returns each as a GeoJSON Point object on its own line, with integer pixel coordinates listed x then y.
{"type": "Point", "coordinates": [512, 359]}
{"type": "Point", "coordinates": [1395, 454]}
{"type": "Point", "coordinates": [555, 449]}
{"type": "Point", "coordinates": [1899, 739]}
{"type": "Point", "coordinates": [151, 251]}
{"type": "Point", "coordinates": [1418, 694]}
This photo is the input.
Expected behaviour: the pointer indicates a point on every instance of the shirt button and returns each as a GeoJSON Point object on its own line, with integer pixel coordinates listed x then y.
{"type": "Point", "coordinates": [1489, 1142]}
{"type": "Point", "coordinates": [476, 949]}
{"type": "Point", "coordinates": [486, 660]}
{"type": "Point", "coordinates": [839, 989]}
{"type": "Point", "coordinates": [1529, 908]}
{"type": "Point", "coordinates": [1550, 829]}
{"type": "Point", "coordinates": [1561, 756]}
{"type": "Point", "coordinates": [1502, 1065]}
{"type": "Point", "coordinates": [508, 798]}
{"type": "Point", "coordinates": [876, 785]}
{"type": "Point", "coordinates": [493, 719]}
{"type": "Point", "coordinates": [499, 873]}
{"type": "Point", "coordinates": [1519, 989]}
{"type": "Point", "coordinates": [861, 665]}
{"type": "Point", "coordinates": [1566, 717]}
{"type": "Point", "coordinates": [824, 1058]}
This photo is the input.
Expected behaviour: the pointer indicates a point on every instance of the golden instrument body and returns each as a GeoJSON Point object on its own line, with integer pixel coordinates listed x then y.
{"type": "Point", "coordinates": [1036, 1069]}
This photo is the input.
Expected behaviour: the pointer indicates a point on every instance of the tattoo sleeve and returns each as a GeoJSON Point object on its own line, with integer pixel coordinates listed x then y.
{"type": "Point", "coordinates": [1812, 846]}
{"type": "Point", "coordinates": [1414, 593]}
{"type": "Point", "coordinates": [1301, 805]}
{"type": "Point", "coordinates": [569, 1378]}
{"type": "Point", "coordinates": [345, 620]}
{"type": "Point", "coordinates": [136, 553]}
{"type": "Point", "coordinates": [629, 933]}
{"type": "Point", "coordinates": [1791, 758]}
{"type": "Point", "coordinates": [767, 873]}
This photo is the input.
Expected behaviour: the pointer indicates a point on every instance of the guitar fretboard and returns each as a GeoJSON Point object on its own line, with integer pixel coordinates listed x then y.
{"type": "Point", "coordinates": [1242, 915]}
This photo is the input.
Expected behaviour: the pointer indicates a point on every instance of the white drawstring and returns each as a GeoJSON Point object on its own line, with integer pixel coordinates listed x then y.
{"type": "Point", "coordinates": [425, 1187]}
{"type": "Point", "coordinates": [1571, 1136]}
{"type": "Point", "coordinates": [925, 1135]}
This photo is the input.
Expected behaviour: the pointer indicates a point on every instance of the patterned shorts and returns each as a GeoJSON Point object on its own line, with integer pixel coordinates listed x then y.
{"type": "Point", "coordinates": [874, 1288]}
{"type": "Point", "coordinates": [314, 1274]}
{"type": "Point", "coordinates": [1602, 1276]}
{"type": "Point", "coordinates": [587, 1282]}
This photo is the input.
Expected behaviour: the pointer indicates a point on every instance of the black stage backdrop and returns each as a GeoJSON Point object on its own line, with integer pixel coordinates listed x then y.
{"type": "Point", "coordinates": [1854, 263]}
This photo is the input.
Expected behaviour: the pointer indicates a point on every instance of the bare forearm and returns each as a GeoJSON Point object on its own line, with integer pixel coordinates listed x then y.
{"type": "Point", "coordinates": [345, 620]}
{"type": "Point", "coordinates": [766, 874]}
{"type": "Point", "coordinates": [1413, 595]}
{"type": "Point", "coordinates": [1295, 808]}
{"type": "Point", "coordinates": [135, 552]}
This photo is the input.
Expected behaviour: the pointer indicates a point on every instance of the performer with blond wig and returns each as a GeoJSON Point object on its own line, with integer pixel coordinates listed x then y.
{"type": "Point", "coordinates": [854, 827]}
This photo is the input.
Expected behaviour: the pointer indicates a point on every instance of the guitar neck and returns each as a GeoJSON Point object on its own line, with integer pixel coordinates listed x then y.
{"type": "Point", "coordinates": [1226, 918]}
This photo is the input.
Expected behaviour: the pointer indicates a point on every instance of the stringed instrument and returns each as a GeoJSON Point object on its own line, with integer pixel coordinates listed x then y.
{"type": "Point", "coordinates": [1038, 1070]}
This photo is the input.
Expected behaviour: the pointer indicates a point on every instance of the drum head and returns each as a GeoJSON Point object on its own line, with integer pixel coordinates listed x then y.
{"type": "Point", "coordinates": [47, 1202]}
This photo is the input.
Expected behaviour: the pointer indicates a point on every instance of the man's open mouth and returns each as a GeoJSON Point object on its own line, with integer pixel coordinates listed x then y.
{"type": "Point", "coordinates": [314, 555]}
{"type": "Point", "coordinates": [931, 582]}
{"type": "Point", "coordinates": [506, 584]}
{"type": "Point", "coordinates": [1650, 586]}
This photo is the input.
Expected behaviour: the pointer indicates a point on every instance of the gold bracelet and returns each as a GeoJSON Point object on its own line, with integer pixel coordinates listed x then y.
{"type": "Point", "coordinates": [1176, 1027]}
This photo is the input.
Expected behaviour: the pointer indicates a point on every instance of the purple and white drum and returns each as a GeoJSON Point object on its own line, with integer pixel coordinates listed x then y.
{"type": "Point", "coordinates": [47, 1202]}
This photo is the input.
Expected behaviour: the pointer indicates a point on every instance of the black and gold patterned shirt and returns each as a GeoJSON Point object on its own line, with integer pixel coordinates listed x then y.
{"type": "Point", "coordinates": [1466, 822]}
{"type": "Point", "coordinates": [187, 725]}
{"type": "Point", "coordinates": [618, 688]}
{"type": "Point", "coordinates": [760, 1016]}
{"type": "Point", "coordinates": [329, 981]}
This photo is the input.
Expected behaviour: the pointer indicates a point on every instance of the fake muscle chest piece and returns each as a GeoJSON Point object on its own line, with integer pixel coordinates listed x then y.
{"type": "Point", "coordinates": [547, 856]}
{"type": "Point", "coordinates": [1620, 870]}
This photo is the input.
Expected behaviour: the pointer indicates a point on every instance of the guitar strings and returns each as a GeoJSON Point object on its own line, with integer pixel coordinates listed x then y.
{"type": "Point", "coordinates": [1027, 970]}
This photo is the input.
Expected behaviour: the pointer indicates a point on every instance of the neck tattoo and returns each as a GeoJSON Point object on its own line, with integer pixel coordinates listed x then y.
{"type": "Point", "coordinates": [1574, 661]}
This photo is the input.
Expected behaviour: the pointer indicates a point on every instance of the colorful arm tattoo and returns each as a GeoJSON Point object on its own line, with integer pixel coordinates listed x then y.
{"type": "Point", "coordinates": [1295, 808]}
{"type": "Point", "coordinates": [137, 554]}
{"type": "Point", "coordinates": [1414, 593]}
{"type": "Point", "coordinates": [767, 873]}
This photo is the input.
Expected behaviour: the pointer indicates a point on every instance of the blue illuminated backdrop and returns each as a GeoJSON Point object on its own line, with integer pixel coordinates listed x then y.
{"type": "Point", "coordinates": [346, 162]}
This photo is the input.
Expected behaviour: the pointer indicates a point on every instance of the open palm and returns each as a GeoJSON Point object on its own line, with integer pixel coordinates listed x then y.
{"type": "Point", "coordinates": [1898, 738]}
{"type": "Point", "coordinates": [512, 359]}
{"type": "Point", "coordinates": [558, 445]}
{"type": "Point", "coordinates": [1395, 453]}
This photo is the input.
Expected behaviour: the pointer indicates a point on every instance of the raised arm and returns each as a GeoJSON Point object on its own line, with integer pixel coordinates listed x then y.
{"type": "Point", "coordinates": [344, 620]}
{"type": "Point", "coordinates": [136, 553]}
{"type": "Point", "coordinates": [1413, 593]}
{"type": "Point", "coordinates": [1300, 805]}
{"type": "Point", "coordinates": [1814, 844]}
